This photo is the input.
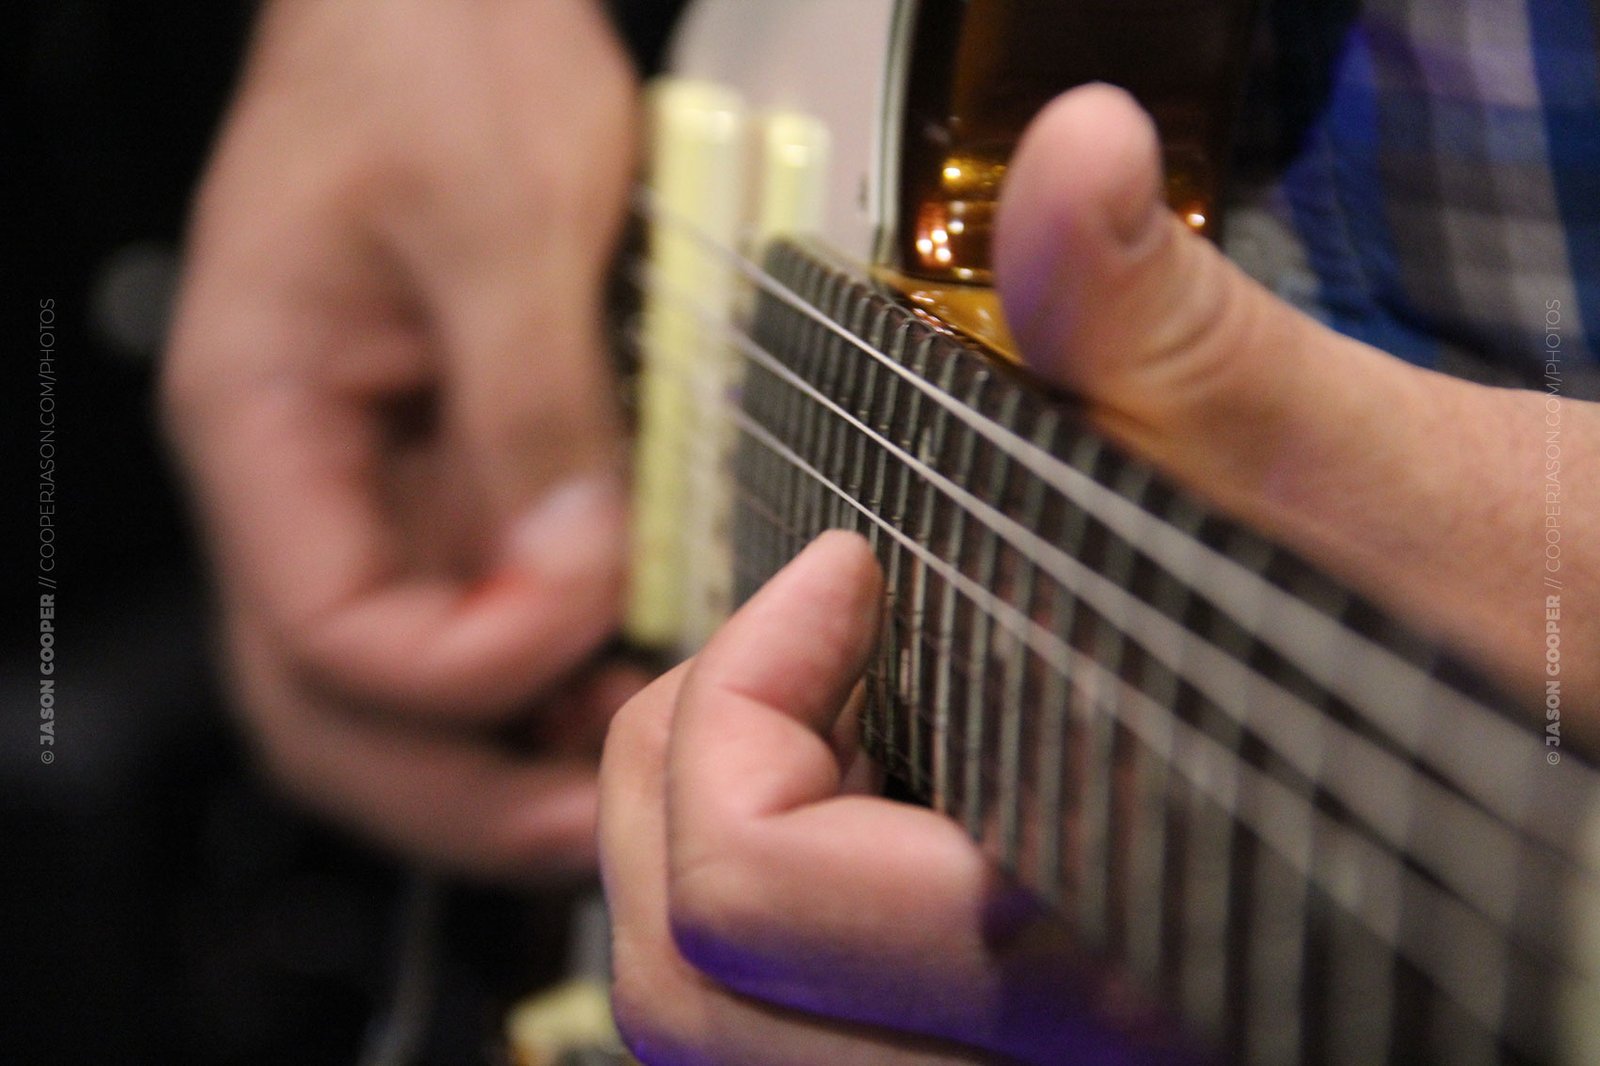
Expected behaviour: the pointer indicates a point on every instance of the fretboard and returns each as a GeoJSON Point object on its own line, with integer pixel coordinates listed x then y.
{"type": "Point", "coordinates": [1316, 836]}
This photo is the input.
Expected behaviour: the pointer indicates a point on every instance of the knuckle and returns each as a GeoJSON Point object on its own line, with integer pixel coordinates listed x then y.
{"type": "Point", "coordinates": [651, 1006]}
{"type": "Point", "coordinates": [715, 914]}
{"type": "Point", "coordinates": [638, 731]}
{"type": "Point", "coordinates": [633, 1010]}
{"type": "Point", "coordinates": [542, 436]}
{"type": "Point", "coordinates": [553, 425]}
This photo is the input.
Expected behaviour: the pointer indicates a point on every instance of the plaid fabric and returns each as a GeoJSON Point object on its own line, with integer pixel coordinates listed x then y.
{"type": "Point", "coordinates": [1424, 175]}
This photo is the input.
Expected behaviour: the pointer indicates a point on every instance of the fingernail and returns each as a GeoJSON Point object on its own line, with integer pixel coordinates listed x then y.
{"type": "Point", "coordinates": [576, 530]}
{"type": "Point", "coordinates": [1084, 196]}
{"type": "Point", "coordinates": [1132, 190]}
{"type": "Point", "coordinates": [1134, 218]}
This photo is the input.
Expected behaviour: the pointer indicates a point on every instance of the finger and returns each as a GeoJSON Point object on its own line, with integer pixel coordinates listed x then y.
{"type": "Point", "coordinates": [1177, 353]}
{"type": "Point", "coordinates": [289, 459]}
{"type": "Point", "coordinates": [668, 1011]}
{"type": "Point", "coordinates": [800, 645]}
{"type": "Point", "coordinates": [869, 911]}
{"type": "Point", "coordinates": [858, 774]}
{"type": "Point", "coordinates": [516, 265]}
{"type": "Point", "coordinates": [361, 243]}
{"type": "Point", "coordinates": [1326, 444]}
{"type": "Point", "coordinates": [455, 800]}
{"type": "Point", "coordinates": [576, 714]}
{"type": "Point", "coordinates": [479, 647]}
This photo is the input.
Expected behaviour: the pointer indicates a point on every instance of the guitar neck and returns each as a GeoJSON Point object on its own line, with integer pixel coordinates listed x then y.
{"type": "Point", "coordinates": [1240, 781]}
{"type": "Point", "coordinates": [1312, 833]}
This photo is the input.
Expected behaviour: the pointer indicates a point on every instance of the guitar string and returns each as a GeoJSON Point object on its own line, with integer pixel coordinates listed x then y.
{"type": "Point", "coordinates": [1463, 922]}
{"type": "Point", "coordinates": [1364, 878]}
{"type": "Point", "coordinates": [836, 328]}
{"type": "Point", "coordinates": [1362, 673]}
{"type": "Point", "coordinates": [991, 841]}
{"type": "Point", "coordinates": [1290, 726]}
{"type": "Point", "coordinates": [986, 834]}
{"type": "Point", "coordinates": [1293, 726]}
{"type": "Point", "coordinates": [1483, 870]}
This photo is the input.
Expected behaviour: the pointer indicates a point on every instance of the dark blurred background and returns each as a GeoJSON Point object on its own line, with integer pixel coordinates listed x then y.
{"type": "Point", "coordinates": [162, 904]}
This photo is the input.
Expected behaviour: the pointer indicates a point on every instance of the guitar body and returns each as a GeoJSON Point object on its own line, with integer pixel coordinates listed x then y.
{"type": "Point", "coordinates": [828, 62]}
{"type": "Point", "coordinates": [1312, 835]}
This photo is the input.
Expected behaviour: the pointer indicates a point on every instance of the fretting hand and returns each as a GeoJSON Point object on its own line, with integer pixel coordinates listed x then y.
{"type": "Point", "coordinates": [767, 911]}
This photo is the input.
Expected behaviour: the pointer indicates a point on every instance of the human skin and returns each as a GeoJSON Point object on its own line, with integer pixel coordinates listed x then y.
{"type": "Point", "coordinates": [388, 386]}
{"type": "Point", "coordinates": [767, 910]}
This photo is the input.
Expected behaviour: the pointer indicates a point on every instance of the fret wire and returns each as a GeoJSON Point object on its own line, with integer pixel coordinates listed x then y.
{"type": "Point", "coordinates": [1280, 916]}
{"type": "Point", "coordinates": [1275, 959]}
{"type": "Point", "coordinates": [1015, 725]}
{"type": "Point", "coordinates": [868, 471]}
{"type": "Point", "coordinates": [898, 557]}
{"type": "Point", "coordinates": [1358, 1029]}
{"type": "Point", "coordinates": [791, 411]}
{"type": "Point", "coordinates": [862, 461]}
{"type": "Point", "coordinates": [1067, 713]}
{"type": "Point", "coordinates": [1101, 812]}
{"type": "Point", "coordinates": [803, 419]}
{"type": "Point", "coordinates": [945, 673]}
{"type": "Point", "coordinates": [830, 380]}
{"type": "Point", "coordinates": [1222, 675]}
{"type": "Point", "coordinates": [1214, 884]}
{"type": "Point", "coordinates": [823, 345]}
{"type": "Point", "coordinates": [922, 674]}
{"type": "Point", "coordinates": [861, 447]}
{"type": "Point", "coordinates": [930, 437]}
{"type": "Point", "coordinates": [1253, 798]}
{"type": "Point", "coordinates": [974, 809]}
{"type": "Point", "coordinates": [1049, 817]}
{"type": "Point", "coordinates": [1131, 660]}
{"type": "Point", "coordinates": [759, 538]}
{"type": "Point", "coordinates": [1229, 683]}
{"type": "Point", "coordinates": [989, 813]}
{"type": "Point", "coordinates": [838, 383]}
{"type": "Point", "coordinates": [1365, 674]}
{"type": "Point", "coordinates": [906, 497]}
{"type": "Point", "coordinates": [905, 728]}
{"type": "Point", "coordinates": [1151, 885]}
{"type": "Point", "coordinates": [1148, 873]}
{"type": "Point", "coordinates": [1093, 821]}
{"type": "Point", "coordinates": [854, 447]}
{"type": "Point", "coordinates": [1207, 892]}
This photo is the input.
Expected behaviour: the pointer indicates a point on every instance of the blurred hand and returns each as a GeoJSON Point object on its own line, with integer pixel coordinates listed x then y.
{"type": "Point", "coordinates": [388, 385]}
{"type": "Point", "coordinates": [768, 912]}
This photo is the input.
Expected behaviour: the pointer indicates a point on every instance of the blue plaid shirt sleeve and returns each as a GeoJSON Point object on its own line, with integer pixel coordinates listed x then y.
{"type": "Point", "coordinates": [1424, 175]}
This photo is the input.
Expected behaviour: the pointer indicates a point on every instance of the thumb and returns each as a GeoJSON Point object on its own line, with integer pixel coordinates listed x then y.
{"type": "Point", "coordinates": [1398, 480]}
{"type": "Point", "coordinates": [1179, 356]}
